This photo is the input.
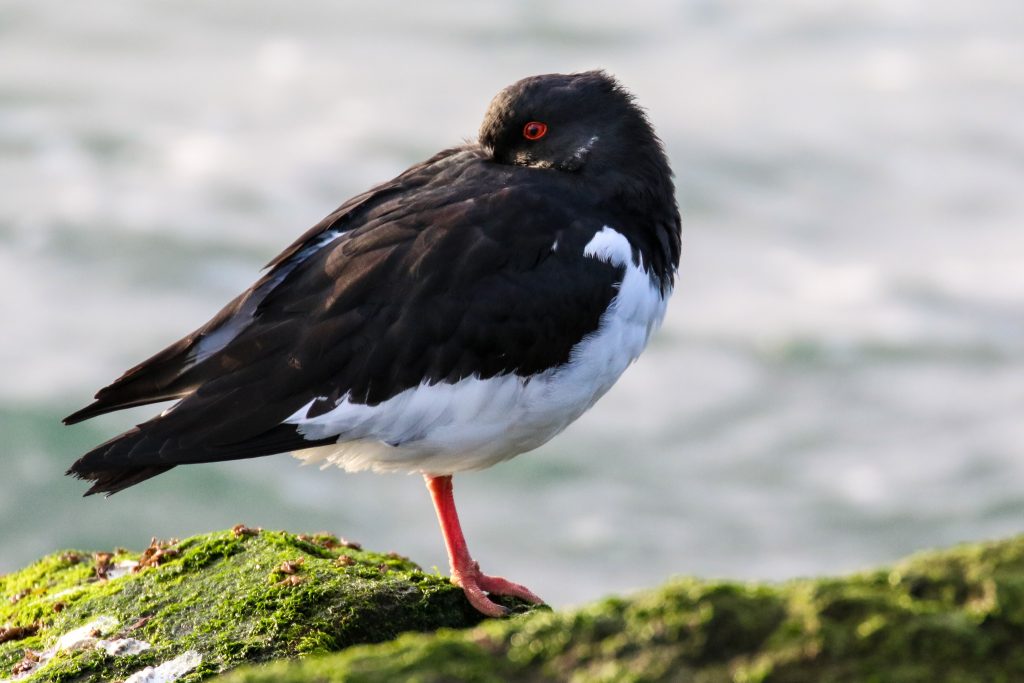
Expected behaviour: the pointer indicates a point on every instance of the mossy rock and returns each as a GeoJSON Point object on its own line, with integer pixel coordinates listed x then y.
{"type": "Point", "coordinates": [210, 603]}
{"type": "Point", "coordinates": [956, 615]}
{"type": "Point", "coordinates": [241, 599]}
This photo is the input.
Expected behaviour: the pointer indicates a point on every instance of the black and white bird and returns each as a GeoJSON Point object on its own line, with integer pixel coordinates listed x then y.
{"type": "Point", "coordinates": [461, 314]}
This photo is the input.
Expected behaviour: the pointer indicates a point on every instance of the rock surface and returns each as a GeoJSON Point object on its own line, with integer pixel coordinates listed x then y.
{"type": "Point", "coordinates": [187, 610]}
{"type": "Point", "coordinates": [214, 602]}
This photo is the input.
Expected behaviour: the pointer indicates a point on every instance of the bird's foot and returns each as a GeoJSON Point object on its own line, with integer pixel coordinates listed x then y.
{"type": "Point", "coordinates": [475, 584]}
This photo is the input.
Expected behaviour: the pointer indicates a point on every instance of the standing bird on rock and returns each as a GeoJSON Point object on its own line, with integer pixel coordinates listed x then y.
{"type": "Point", "coordinates": [459, 315]}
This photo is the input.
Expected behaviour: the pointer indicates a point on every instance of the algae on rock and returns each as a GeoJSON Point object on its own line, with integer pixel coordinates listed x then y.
{"type": "Point", "coordinates": [955, 615]}
{"type": "Point", "coordinates": [210, 603]}
{"type": "Point", "coordinates": [214, 602]}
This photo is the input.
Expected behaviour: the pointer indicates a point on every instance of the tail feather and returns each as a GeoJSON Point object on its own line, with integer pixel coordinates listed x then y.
{"type": "Point", "coordinates": [161, 378]}
{"type": "Point", "coordinates": [157, 446]}
{"type": "Point", "coordinates": [169, 374]}
{"type": "Point", "coordinates": [109, 466]}
{"type": "Point", "coordinates": [112, 481]}
{"type": "Point", "coordinates": [102, 406]}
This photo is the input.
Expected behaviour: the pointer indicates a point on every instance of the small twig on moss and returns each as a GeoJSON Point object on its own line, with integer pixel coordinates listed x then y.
{"type": "Point", "coordinates": [28, 663]}
{"type": "Point", "coordinates": [103, 564]}
{"type": "Point", "coordinates": [291, 566]}
{"type": "Point", "coordinates": [157, 552]}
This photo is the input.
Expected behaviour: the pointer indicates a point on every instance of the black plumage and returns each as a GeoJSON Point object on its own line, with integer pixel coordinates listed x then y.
{"type": "Point", "coordinates": [469, 264]}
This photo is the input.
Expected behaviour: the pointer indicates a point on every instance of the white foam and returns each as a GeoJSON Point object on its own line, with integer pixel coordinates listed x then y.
{"type": "Point", "coordinates": [122, 647]}
{"type": "Point", "coordinates": [84, 636]}
{"type": "Point", "coordinates": [171, 670]}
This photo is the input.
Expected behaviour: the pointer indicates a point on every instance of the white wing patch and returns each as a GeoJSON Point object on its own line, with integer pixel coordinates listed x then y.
{"type": "Point", "coordinates": [475, 423]}
{"type": "Point", "coordinates": [610, 246]}
{"type": "Point", "coordinates": [220, 337]}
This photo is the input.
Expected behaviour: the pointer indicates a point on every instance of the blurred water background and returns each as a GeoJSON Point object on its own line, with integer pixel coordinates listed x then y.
{"type": "Point", "coordinates": [840, 379]}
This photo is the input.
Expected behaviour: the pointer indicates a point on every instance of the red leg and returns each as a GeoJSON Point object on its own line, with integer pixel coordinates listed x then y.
{"type": "Point", "coordinates": [465, 571]}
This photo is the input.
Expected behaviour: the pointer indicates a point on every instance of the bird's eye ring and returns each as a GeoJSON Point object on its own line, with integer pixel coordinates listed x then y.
{"type": "Point", "coordinates": [535, 130]}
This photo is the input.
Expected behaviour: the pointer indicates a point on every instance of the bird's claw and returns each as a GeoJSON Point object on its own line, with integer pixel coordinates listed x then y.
{"type": "Point", "coordinates": [475, 584]}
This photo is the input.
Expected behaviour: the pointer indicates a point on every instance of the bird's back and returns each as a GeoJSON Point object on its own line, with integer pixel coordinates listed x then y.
{"type": "Point", "coordinates": [460, 314]}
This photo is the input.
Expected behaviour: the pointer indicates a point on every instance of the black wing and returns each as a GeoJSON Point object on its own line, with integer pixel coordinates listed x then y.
{"type": "Point", "coordinates": [178, 369]}
{"type": "Point", "coordinates": [456, 275]}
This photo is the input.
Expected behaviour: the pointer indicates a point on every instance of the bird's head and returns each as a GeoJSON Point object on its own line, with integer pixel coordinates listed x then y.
{"type": "Point", "coordinates": [569, 122]}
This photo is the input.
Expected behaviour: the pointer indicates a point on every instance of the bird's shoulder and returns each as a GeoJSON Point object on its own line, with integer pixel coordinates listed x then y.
{"type": "Point", "coordinates": [483, 275]}
{"type": "Point", "coordinates": [445, 224]}
{"type": "Point", "coordinates": [456, 263]}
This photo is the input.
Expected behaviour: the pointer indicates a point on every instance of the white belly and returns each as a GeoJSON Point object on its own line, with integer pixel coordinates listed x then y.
{"type": "Point", "coordinates": [475, 423]}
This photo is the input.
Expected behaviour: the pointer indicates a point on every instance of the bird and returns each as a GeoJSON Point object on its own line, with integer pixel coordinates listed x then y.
{"type": "Point", "coordinates": [458, 315]}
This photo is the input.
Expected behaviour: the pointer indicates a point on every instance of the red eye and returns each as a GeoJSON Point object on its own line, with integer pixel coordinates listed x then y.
{"type": "Point", "coordinates": [535, 130]}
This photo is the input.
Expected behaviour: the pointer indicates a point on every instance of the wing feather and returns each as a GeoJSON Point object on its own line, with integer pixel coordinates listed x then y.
{"type": "Point", "coordinates": [433, 285]}
{"type": "Point", "coordinates": [179, 369]}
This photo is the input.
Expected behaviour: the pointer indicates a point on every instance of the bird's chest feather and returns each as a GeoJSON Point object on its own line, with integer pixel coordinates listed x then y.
{"type": "Point", "coordinates": [474, 423]}
{"type": "Point", "coordinates": [624, 330]}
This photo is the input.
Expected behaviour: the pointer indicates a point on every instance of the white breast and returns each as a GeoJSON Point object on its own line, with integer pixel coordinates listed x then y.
{"type": "Point", "coordinates": [475, 423]}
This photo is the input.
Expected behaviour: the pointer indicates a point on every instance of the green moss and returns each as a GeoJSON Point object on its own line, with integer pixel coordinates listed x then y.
{"type": "Point", "coordinates": [951, 616]}
{"type": "Point", "coordinates": [252, 599]}
{"type": "Point", "coordinates": [233, 598]}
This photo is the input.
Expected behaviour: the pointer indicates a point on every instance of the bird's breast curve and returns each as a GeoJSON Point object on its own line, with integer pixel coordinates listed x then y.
{"type": "Point", "coordinates": [443, 427]}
